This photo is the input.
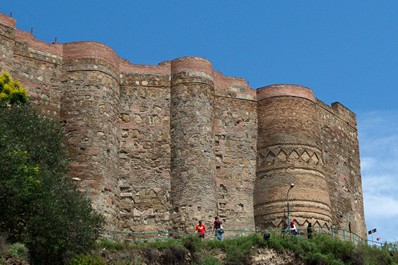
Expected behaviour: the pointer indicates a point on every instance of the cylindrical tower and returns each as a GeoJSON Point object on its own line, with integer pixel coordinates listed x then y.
{"type": "Point", "coordinates": [289, 151]}
{"type": "Point", "coordinates": [193, 190]}
{"type": "Point", "coordinates": [89, 104]}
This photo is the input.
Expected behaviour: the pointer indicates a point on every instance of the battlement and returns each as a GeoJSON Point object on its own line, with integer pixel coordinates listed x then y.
{"type": "Point", "coordinates": [163, 146]}
{"type": "Point", "coordinates": [8, 21]}
{"type": "Point", "coordinates": [339, 110]}
{"type": "Point", "coordinates": [90, 50]}
{"type": "Point", "coordinates": [126, 67]}
{"type": "Point", "coordinates": [194, 65]}
{"type": "Point", "coordinates": [285, 90]}
{"type": "Point", "coordinates": [38, 45]}
{"type": "Point", "coordinates": [236, 87]}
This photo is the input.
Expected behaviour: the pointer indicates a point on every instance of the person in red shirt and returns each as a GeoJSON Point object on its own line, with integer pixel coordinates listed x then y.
{"type": "Point", "coordinates": [201, 228]}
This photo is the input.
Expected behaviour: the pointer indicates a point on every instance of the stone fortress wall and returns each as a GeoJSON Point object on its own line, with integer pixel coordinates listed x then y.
{"type": "Point", "coordinates": [163, 146]}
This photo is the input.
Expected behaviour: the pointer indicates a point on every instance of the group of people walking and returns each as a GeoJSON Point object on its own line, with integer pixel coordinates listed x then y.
{"type": "Point", "coordinates": [219, 229]}
{"type": "Point", "coordinates": [217, 226]}
{"type": "Point", "coordinates": [293, 229]}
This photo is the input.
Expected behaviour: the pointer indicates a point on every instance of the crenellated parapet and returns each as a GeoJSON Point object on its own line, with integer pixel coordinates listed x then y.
{"type": "Point", "coordinates": [161, 147]}
{"type": "Point", "coordinates": [233, 87]}
{"type": "Point", "coordinates": [7, 21]}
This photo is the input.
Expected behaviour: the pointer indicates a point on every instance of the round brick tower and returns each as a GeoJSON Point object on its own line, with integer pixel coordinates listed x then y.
{"type": "Point", "coordinates": [89, 111]}
{"type": "Point", "coordinates": [289, 152]}
{"type": "Point", "coordinates": [193, 190]}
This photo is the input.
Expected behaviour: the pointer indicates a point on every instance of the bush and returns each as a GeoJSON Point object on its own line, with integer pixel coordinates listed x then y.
{"type": "Point", "coordinates": [238, 250]}
{"type": "Point", "coordinates": [16, 251]}
{"type": "Point", "coordinates": [40, 207]}
{"type": "Point", "coordinates": [372, 255]}
{"type": "Point", "coordinates": [319, 250]}
{"type": "Point", "coordinates": [85, 259]}
{"type": "Point", "coordinates": [210, 261]}
{"type": "Point", "coordinates": [11, 92]}
{"type": "Point", "coordinates": [110, 244]}
{"type": "Point", "coordinates": [276, 243]}
{"type": "Point", "coordinates": [173, 255]}
{"type": "Point", "coordinates": [342, 250]}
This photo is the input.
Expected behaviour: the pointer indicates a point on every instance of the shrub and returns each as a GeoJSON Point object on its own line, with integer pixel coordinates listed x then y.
{"type": "Point", "coordinates": [160, 244]}
{"type": "Point", "coordinates": [214, 244]}
{"type": "Point", "coordinates": [193, 243]}
{"type": "Point", "coordinates": [275, 242]}
{"type": "Point", "coordinates": [40, 207]}
{"type": "Point", "coordinates": [173, 255]}
{"type": "Point", "coordinates": [110, 244]}
{"type": "Point", "coordinates": [318, 250]}
{"type": "Point", "coordinates": [18, 250]}
{"type": "Point", "coordinates": [238, 250]}
{"type": "Point", "coordinates": [372, 255]}
{"type": "Point", "coordinates": [152, 255]}
{"type": "Point", "coordinates": [11, 92]}
{"type": "Point", "coordinates": [85, 259]}
{"type": "Point", "coordinates": [342, 250]}
{"type": "Point", "coordinates": [210, 261]}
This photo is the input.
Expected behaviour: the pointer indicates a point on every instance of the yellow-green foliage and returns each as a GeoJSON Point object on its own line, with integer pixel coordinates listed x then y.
{"type": "Point", "coordinates": [39, 207]}
{"type": "Point", "coordinates": [11, 92]}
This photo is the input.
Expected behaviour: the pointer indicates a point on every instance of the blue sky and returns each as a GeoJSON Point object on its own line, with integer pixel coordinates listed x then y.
{"type": "Point", "coordinates": [345, 51]}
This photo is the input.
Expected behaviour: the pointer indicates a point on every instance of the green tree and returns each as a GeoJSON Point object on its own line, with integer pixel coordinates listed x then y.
{"type": "Point", "coordinates": [11, 92]}
{"type": "Point", "coordinates": [39, 206]}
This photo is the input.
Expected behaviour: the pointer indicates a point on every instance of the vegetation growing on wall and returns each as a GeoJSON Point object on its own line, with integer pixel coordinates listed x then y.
{"type": "Point", "coordinates": [11, 92]}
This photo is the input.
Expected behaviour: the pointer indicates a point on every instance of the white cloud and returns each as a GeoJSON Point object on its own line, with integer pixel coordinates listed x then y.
{"type": "Point", "coordinates": [381, 207]}
{"type": "Point", "coordinates": [379, 185]}
{"type": "Point", "coordinates": [378, 141]}
{"type": "Point", "coordinates": [367, 163]}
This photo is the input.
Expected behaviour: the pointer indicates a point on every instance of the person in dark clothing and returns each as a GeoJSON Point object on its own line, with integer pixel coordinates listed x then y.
{"type": "Point", "coordinates": [217, 228]}
{"type": "Point", "coordinates": [309, 231]}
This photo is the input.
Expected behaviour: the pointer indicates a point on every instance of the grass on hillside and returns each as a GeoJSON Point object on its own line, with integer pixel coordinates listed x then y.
{"type": "Point", "coordinates": [319, 250]}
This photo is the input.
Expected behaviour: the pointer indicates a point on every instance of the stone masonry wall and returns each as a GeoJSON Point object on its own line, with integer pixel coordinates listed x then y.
{"type": "Point", "coordinates": [235, 137]}
{"type": "Point", "coordinates": [341, 155]}
{"type": "Point", "coordinates": [41, 72]}
{"type": "Point", "coordinates": [161, 147]}
{"type": "Point", "coordinates": [144, 153]}
{"type": "Point", "coordinates": [7, 42]}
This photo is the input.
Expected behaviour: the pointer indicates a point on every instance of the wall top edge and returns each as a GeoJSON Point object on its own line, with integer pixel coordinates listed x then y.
{"type": "Point", "coordinates": [90, 50]}
{"type": "Point", "coordinates": [193, 64]}
{"type": "Point", "coordinates": [8, 21]}
{"type": "Point", "coordinates": [96, 50]}
{"type": "Point", "coordinates": [45, 47]}
{"type": "Point", "coordinates": [126, 68]}
{"type": "Point", "coordinates": [340, 111]}
{"type": "Point", "coordinates": [280, 90]}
